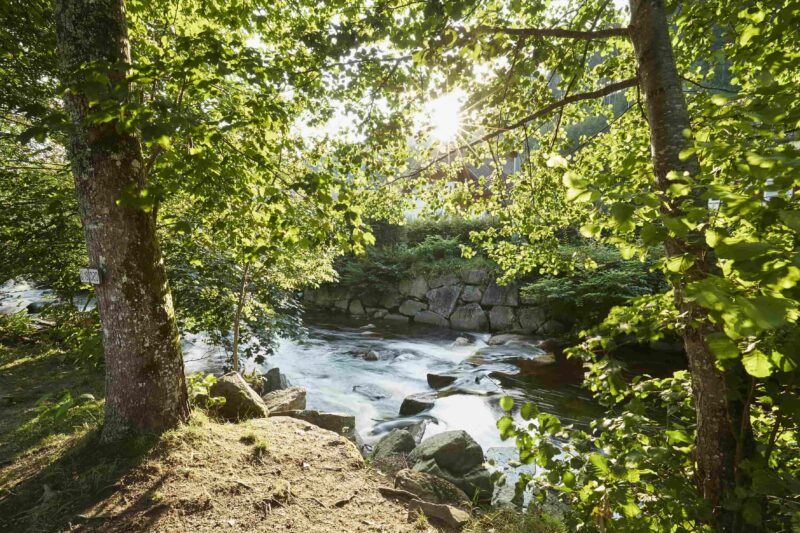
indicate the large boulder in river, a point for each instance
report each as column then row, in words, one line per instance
column 413, row 405
column 456, row 457
column 241, row 401
column 443, row 300
column 469, row 317
column 416, row 288
column 285, row 399
column 430, row 488
column 396, row 442
column 437, row 381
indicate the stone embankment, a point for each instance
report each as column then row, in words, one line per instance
column 468, row 301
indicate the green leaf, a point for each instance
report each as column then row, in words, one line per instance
column 529, row 411
column 722, row 346
column 757, row 364
column 600, row 463
column 506, row 403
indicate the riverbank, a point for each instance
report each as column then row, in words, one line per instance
column 275, row 474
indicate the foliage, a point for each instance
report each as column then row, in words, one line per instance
column 587, row 294
column 382, row 268
column 77, row 332
column 198, row 386
column 513, row 521
column 15, row 326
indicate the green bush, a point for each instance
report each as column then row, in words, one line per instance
column 382, row 268
column 15, row 326
column 588, row 294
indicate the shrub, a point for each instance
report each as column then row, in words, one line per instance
column 588, row 294
column 513, row 521
column 15, row 326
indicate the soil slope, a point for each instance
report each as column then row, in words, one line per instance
column 275, row 474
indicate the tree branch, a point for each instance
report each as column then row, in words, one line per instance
column 603, row 91
column 555, row 32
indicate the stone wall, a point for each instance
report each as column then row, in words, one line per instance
column 469, row 301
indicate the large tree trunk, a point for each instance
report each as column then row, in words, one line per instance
column 721, row 415
column 145, row 387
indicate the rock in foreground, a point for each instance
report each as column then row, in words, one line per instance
column 430, row 488
column 241, row 401
column 456, row 457
column 396, row 442
column 293, row 398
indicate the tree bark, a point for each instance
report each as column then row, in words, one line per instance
column 238, row 317
column 720, row 413
column 145, row 386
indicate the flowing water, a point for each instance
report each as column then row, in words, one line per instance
column 330, row 364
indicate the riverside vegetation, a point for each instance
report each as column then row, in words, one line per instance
column 631, row 167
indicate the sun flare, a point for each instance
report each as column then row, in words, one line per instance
column 444, row 115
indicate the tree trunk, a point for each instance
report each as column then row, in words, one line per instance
column 238, row 317
column 145, row 387
column 720, row 415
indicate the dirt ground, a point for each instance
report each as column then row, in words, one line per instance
column 276, row 474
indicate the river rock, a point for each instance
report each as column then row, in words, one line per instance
column 456, row 457
column 469, row 317
column 500, row 295
column 501, row 318
column 379, row 313
column 412, row 307
column 416, row 288
column 241, row 401
column 286, row 399
column 396, row 442
column 471, row 294
column 38, row 306
column 274, row 380
column 510, row 338
column 357, row 308
column 390, row 300
column 370, row 391
column 442, row 281
column 429, row 317
column 344, row 425
column 430, row 488
column 371, row 355
column 342, row 304
column 475, row 276
column 451, row 517
column 414, row 405
column 462, row 341
column 443, row 300
column 531, row 319
column 437, row 381
column 396, row 318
